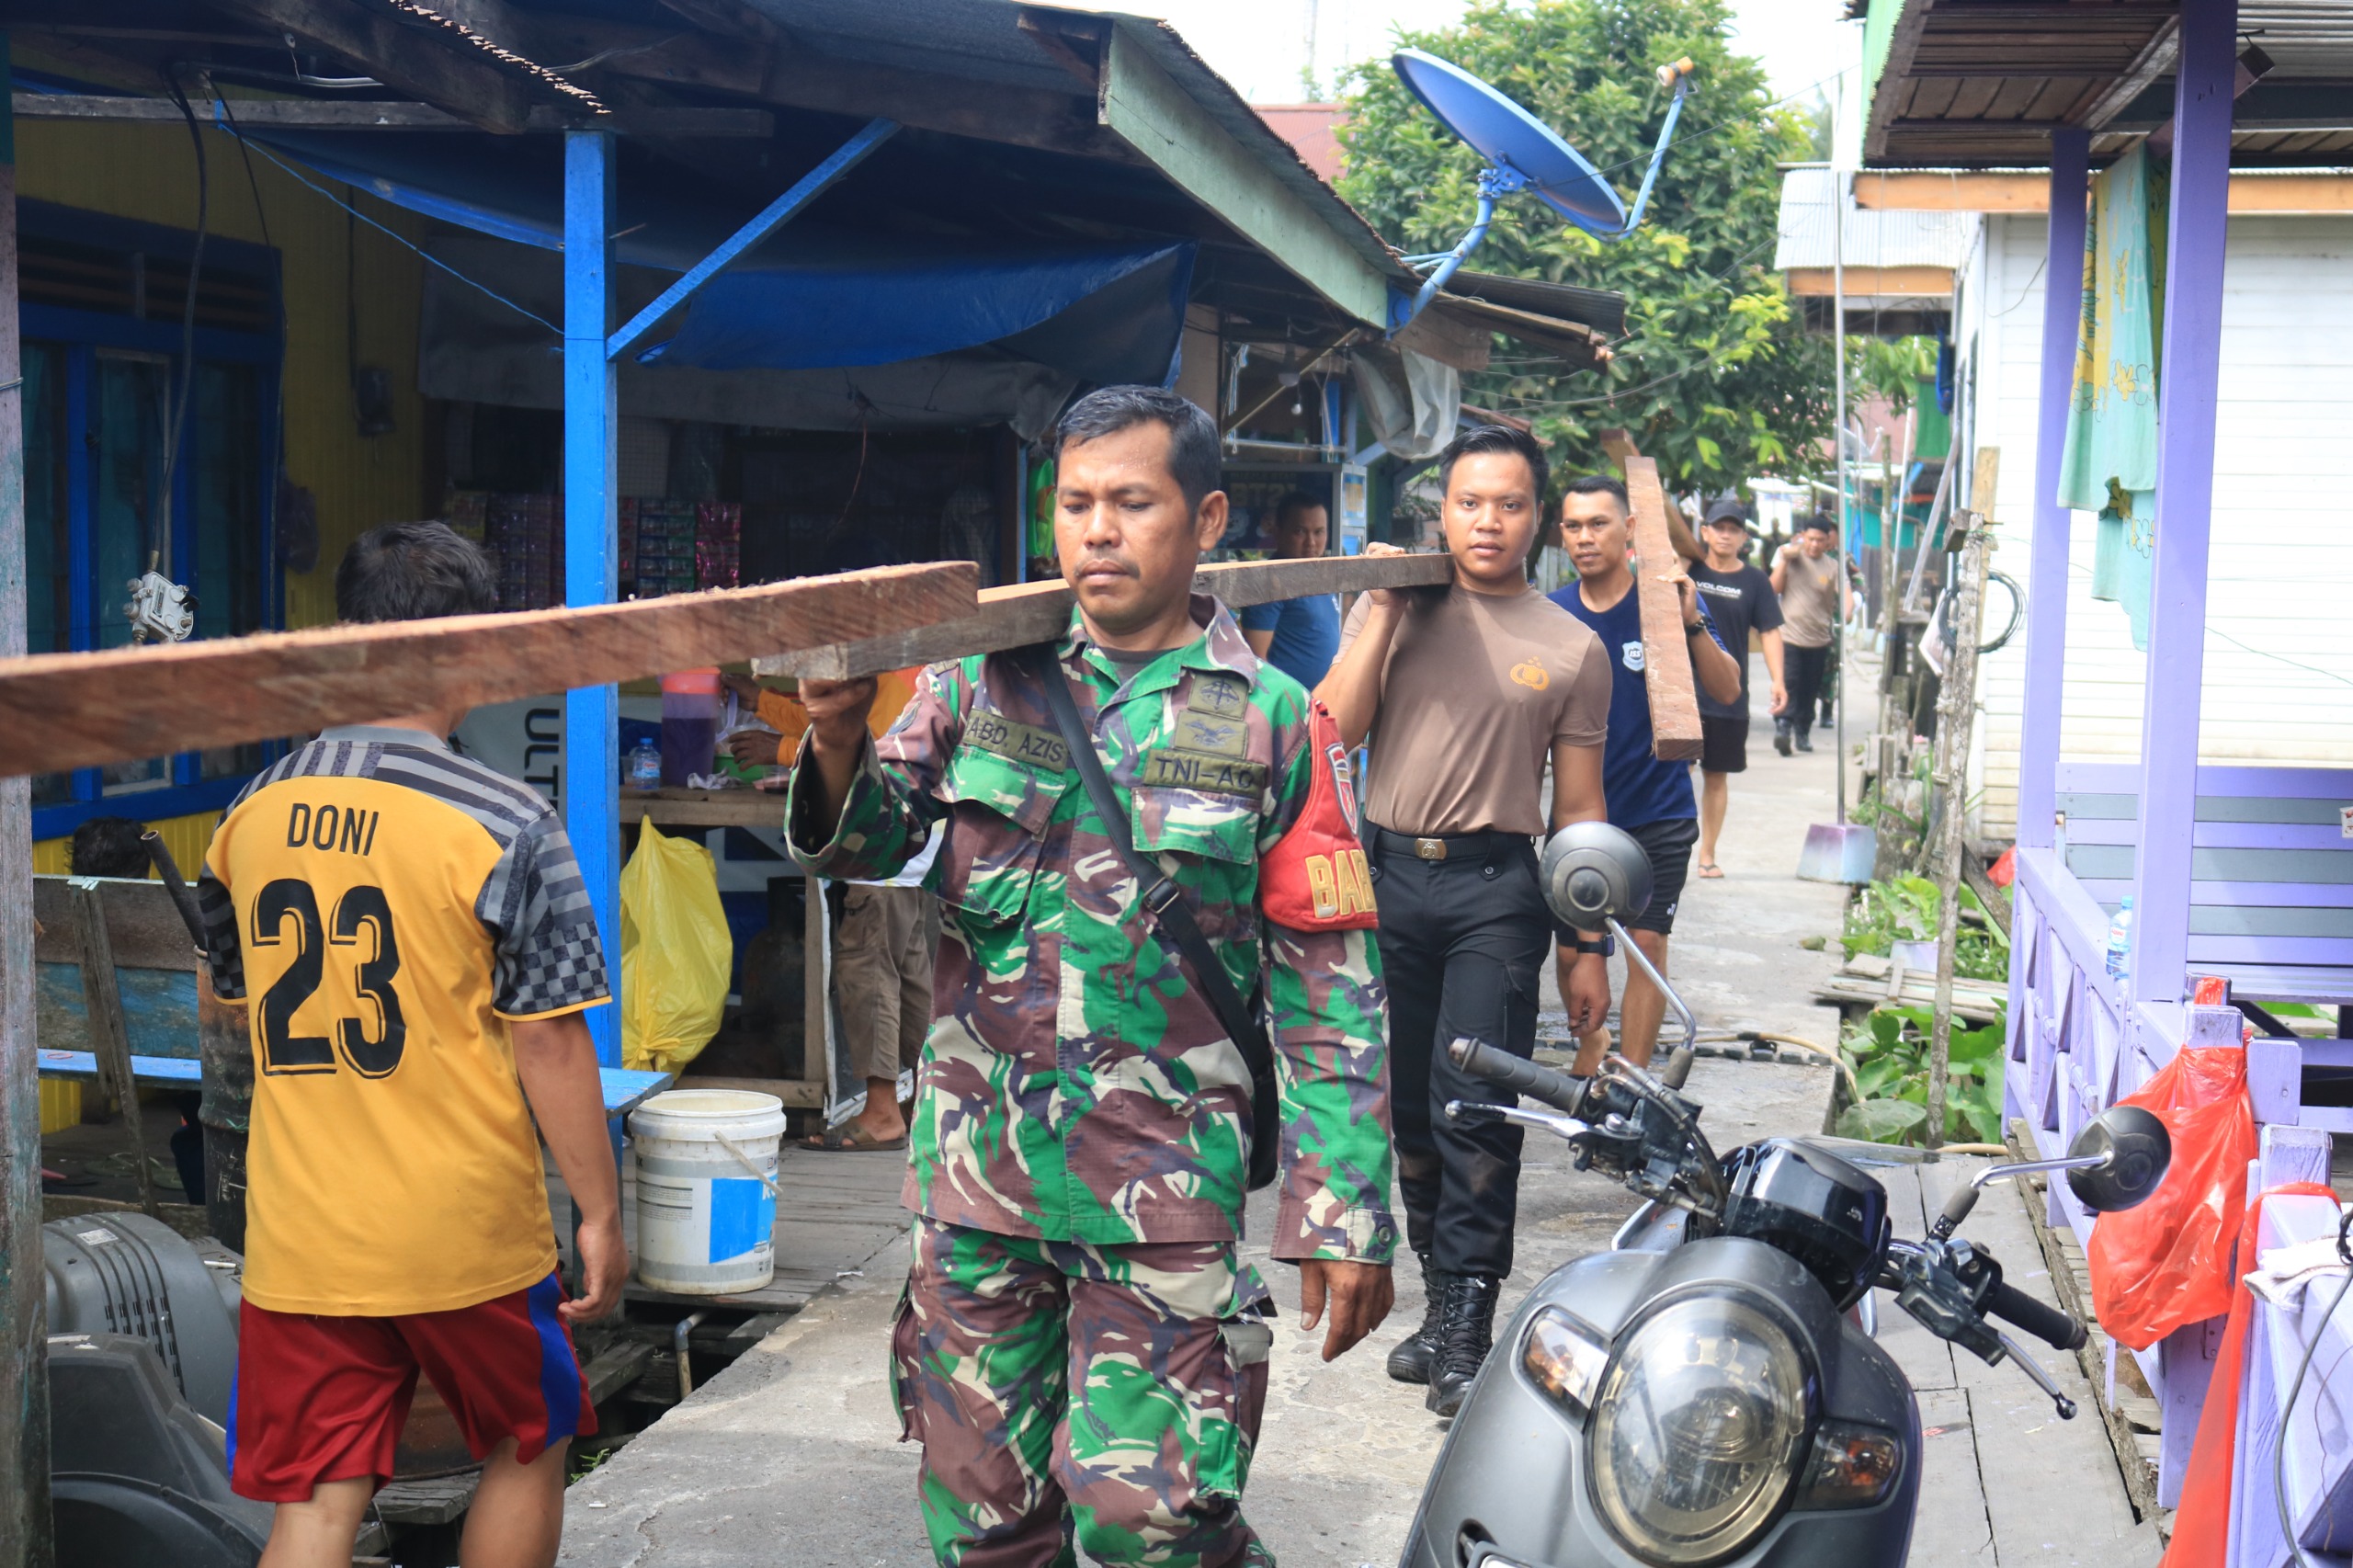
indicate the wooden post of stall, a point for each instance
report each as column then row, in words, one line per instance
column 1956, row 710
column 25, row 1531
column 109, row 1035
column 1666, row 653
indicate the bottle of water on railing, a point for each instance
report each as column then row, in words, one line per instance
column 2120, row 941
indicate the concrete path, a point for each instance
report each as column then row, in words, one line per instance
column 790, row 1455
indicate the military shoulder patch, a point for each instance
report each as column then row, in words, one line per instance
column 1017, row 742
column 1205, row 733
column 1220, row 695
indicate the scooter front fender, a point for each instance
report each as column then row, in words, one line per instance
column 1512, row 1484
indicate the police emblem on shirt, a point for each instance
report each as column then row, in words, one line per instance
column 1632, row 655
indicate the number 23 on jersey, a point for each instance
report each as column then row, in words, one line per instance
column 356, row 938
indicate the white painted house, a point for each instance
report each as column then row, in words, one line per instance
column 2279, row 683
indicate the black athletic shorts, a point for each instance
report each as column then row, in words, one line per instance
column 1669, row 845
column 1723, row 744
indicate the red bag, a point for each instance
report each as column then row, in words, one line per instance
column 2168, row 1262
column 1316, row 876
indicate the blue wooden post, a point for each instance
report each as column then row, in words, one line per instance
column 2046, row 631
column 591, row 783
column 2203, row 86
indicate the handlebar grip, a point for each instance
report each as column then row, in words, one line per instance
column 2049, row 1324
column 1505, row 1071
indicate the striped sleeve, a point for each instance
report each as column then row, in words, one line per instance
column 549, row 959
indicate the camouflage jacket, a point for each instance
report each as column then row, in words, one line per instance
column 1075, row 1087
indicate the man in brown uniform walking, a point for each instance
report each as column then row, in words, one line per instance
column 1468, row 692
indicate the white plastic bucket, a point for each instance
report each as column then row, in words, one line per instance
column 706, row 1194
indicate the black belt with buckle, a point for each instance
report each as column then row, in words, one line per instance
column 1484, row 846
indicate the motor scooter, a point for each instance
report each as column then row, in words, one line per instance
column 1708, row 1392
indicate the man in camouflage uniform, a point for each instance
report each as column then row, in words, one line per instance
column 1079, row 1351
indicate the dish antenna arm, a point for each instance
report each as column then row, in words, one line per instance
column 1677, row 76
column 1493, row 184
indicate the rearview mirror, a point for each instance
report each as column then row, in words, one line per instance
column 2137, row 1150
column 1593, row 872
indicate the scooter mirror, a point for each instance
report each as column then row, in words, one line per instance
column 2138, row 1151
column 1593, row 872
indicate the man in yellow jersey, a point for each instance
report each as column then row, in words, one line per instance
column 417, row 947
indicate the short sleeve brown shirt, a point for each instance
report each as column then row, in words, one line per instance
column 1478, row 690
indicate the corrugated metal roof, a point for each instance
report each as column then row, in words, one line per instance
column 1869, row 239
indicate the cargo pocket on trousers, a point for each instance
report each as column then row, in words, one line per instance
column 1228, row 1435
column 905, row 1365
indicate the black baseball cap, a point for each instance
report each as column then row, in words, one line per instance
column 1727, row 511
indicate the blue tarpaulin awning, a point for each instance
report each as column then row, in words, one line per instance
column 815, row 295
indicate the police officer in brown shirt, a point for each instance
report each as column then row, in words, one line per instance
column 1468, row 691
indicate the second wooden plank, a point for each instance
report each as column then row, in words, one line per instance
column 1667, row 651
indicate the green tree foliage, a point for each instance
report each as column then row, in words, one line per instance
column 1714, row 377
column 1889, row 368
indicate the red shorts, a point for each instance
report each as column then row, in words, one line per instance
column 321, row 1399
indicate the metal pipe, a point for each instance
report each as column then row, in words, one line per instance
column 1839, row 530
column 678, row 1336
column 1658, row 156
column 1490, row 186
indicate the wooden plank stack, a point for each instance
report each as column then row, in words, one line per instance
column 1867, row 980
column 1666, row 653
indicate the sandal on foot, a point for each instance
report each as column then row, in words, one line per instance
column 850, row 1139
column 1709, row 871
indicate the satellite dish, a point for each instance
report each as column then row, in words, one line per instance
column 1523, row 153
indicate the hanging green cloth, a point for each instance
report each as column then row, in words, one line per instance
column 2110, row 463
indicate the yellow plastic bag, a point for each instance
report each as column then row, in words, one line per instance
column 675, row 952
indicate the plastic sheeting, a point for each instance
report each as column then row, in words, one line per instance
column 812, row 295
column 1412, row 401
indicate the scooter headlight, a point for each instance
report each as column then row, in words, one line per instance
column 1699, row 1430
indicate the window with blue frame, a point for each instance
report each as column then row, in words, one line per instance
column 109, row 363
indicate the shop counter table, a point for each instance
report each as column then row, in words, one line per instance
column 624, row 1090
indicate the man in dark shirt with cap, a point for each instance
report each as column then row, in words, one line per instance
column 1740, row 599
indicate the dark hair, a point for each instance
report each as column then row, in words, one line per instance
column 1496, row 438
column 1299, row 501
column 1817, row 523
column 412, row 571
column 109, row 846
column 1600, row 484
column 1193, row 459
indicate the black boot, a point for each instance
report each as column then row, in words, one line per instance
column 1409, row 1362
column 1781, row 736
column 1805, row 737
column 1464, row 1338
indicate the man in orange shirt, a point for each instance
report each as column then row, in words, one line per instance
column 419, row 946
column 888, row 931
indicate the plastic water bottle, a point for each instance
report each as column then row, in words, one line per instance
column 2120, row 941
column 645, row 767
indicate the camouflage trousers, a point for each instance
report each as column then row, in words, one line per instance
column 1069, row 1398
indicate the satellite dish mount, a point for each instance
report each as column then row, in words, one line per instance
column 1523, row 153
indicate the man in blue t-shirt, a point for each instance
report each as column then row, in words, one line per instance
column 1648, row 798
column 1301, row 636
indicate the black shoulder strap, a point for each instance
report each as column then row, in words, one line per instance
column 1172, row 914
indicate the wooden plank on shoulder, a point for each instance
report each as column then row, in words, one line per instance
column 1024, row 613
column 1666, row 656
column 128, row 703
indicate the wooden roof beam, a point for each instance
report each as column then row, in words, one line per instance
column 360, row 114
column 400, row 57
column 1988, row 191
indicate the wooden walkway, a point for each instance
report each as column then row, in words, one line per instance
column 2004, row 1481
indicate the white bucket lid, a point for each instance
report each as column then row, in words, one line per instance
column 699, row 1113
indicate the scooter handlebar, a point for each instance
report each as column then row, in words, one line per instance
column 2049, row 1324
column 1505, row 1071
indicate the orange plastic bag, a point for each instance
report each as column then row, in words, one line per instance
column 2168, row 1262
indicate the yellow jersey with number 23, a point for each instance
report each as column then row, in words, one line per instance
column 386, row 907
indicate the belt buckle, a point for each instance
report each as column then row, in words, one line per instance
column 1429, row 848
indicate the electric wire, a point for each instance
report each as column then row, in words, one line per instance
column 307, row 183
column 176, row 409
column 2288, row 1405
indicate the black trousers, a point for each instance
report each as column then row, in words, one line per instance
column 1802, row 669
column 1462, row 944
